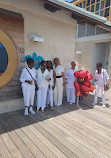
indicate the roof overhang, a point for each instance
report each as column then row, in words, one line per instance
column 81, row 15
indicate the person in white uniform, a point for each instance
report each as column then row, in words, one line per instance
column 70, row 79
column 43, row 78
column 101, row 78
column 60, row 81
column 28, row 79
column 52, row 83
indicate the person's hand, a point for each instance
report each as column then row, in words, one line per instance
column 29, row 82
column 64, row 83
column 53, row 87
column 49, row 79
column 107, row 84
column 34, row 81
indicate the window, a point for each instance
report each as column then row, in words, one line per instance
column 108, row 3
column 84, row 4
column 101, row 13
column 106, row 12
column 98, row 0
column 97, row 6
column 93, row 1
column 92, row 8
column 80, row 5
column 87, row 9
column 88, row 2
column 102, row 4
column 3, row 59
column 97, row 13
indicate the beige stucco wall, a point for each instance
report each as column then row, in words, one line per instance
column 58, row 30
column 58, row 38
column 109, row 66
column 83, row 60
column 89, row 49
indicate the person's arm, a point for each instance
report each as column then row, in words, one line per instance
column 66, row 76
column 107, row 77
column 54, row 77
column 95, row 77
column 23, row 77
column 63, row 75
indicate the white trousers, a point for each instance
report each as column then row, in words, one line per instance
column 70, row 95
column 28, row 95
column 58, row 92
column 102, row 93
column 50, row 97
column 41, row 97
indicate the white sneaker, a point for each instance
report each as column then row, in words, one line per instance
column 42, row 110
column 38, row 109
column 59, row 104
column 104, row 106
column 32, row 112
column 93, row 104
column 26, row 112
column 78, row 106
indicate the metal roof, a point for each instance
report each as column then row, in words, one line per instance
column 80, row 11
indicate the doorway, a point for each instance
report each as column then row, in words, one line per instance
column 100, row 53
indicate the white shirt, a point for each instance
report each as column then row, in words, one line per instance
column 99, row 77
column 59, row 69
column 51, row 82
column 26, row 76
column 41, row 78
column 70, row 77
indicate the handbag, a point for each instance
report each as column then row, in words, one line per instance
column 106, row 86
column 36, row 87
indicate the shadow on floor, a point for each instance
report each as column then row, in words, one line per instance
column 15, row 120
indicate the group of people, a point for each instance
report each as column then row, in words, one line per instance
column 49, row 81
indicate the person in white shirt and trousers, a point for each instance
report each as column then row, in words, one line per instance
column 60, row 81
column 28, row 79
column 70, row 79
column 52, row 83
column 101, row 78
column 43, row 78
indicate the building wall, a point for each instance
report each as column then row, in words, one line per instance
column 101, row 7
column 58, row 38
column 93, row 52
column 13, row 26
column 58, row 30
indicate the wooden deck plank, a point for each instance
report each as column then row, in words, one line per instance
column 84, row 152
column 95, row 125
column 59, row 136
column 41, row 146
column 87, row 123
column 9, row 125
column 4, row 152
column 56, row 142
column 88, row 143
column 85, row 131
column 28, row 137
column 10, row 144
column 66, row 132
column 98, row 118
column 41, row 136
